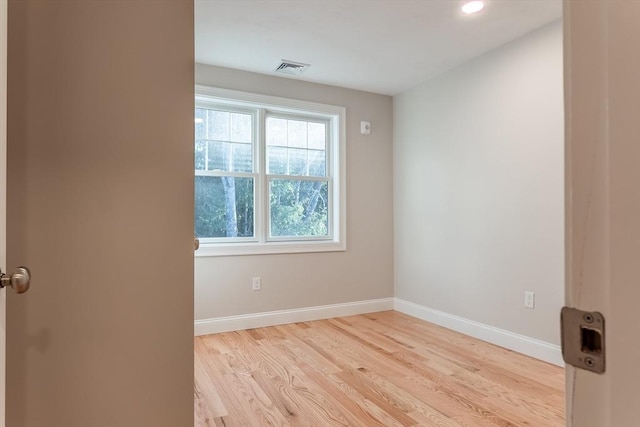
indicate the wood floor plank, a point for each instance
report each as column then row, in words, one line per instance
column 435, row 335
column 500, row 368
column 207, row 393
column 379, row 369
column 347, row 400
column 301, row 391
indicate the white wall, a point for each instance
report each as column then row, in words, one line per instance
column 478, row 188
column 365, row 270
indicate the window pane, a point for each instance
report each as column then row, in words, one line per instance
column 218, row 125
column 276, row 132
column 200, row 123
column 317, row 163
column 241, row 127
column 230, row 157
column 299, row 208
column 200, row 155
column 297, row 133
column 241, row 158
column 218, row 156
column 277, row 160
column 297, row 162
column 317, row 136
column 223, row 206
column 306, row 142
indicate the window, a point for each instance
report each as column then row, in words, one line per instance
column 269, row 174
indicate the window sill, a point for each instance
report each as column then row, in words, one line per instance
column 235, row 249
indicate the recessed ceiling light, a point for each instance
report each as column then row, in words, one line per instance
column 473, row 6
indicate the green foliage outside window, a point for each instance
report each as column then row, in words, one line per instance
column 299, row 208
column 224, row 207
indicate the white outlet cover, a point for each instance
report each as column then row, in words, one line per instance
column 529, row 299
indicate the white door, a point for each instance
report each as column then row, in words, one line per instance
column 602, row 85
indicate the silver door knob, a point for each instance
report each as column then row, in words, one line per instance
column 19, row 281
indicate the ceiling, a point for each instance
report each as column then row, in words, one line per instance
column 382, row 46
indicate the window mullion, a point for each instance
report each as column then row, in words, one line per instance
column 263, row 197
column 223, row 173
column 298, row 178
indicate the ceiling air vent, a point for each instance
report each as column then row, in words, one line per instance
column 290, row 67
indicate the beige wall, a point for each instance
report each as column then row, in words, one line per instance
column 478, row 188
column 100, row 185
column 365, row 270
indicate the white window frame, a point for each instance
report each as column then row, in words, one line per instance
column 261, row 243
column 254, row 174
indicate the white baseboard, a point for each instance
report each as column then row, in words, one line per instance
column 280, row 317
column 522, row 344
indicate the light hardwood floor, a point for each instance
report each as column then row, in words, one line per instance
column 381, row 369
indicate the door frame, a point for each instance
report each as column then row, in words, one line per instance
column 571, row 288
column 3, row 199
column 602, row 103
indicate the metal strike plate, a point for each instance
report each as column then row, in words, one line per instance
column 583, row 339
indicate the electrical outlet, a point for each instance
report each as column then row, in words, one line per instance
column 257, row 284
column 529, row 299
